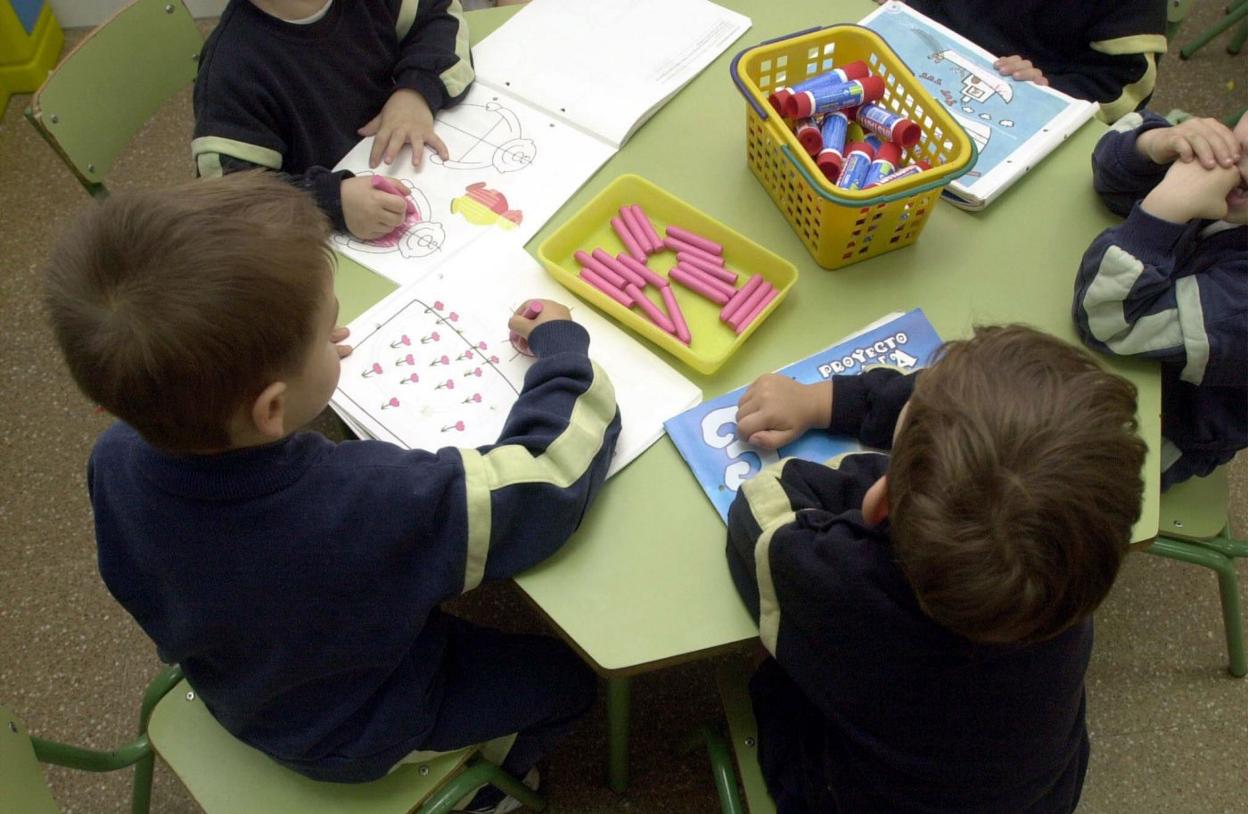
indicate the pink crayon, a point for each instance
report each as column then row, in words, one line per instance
column 619, row 269
column 599, row 268
column 606, row 288
column 715, row 270
column 696, row 285
column 698, row 242
column 678, row 317
column 643, row 270
column 758, row 309
column 531, row 309
column 634, row 228
column 740, row 297
column 716, row 283
column 748, row 306
column 386, row 185
column 621, row 231
column 656, row 316
column 656, row 243
column 677, row 245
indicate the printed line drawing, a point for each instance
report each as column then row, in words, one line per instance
column 482, row 136
column 418, row 235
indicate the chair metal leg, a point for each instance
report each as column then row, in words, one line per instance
column 1237, row 43
column 1197, row 553
column 1236, row 13
column 617, row 733
column 722, row 772
column 480, row 772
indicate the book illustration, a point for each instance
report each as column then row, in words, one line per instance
column 706, row 435
column 482, row 136
column 417, row 236
column 483, row 206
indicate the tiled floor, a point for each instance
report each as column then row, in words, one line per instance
column 1169, row 726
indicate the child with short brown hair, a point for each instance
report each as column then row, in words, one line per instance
column 929, row 612
column 295, row 580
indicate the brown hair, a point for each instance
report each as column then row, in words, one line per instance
column 1014, row 483
column 175, row 308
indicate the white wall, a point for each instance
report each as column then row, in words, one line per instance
column 80, row 13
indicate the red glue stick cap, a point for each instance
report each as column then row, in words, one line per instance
column 860, row 147
column 906, row 133
column 889, row 152
column 779, row 99
column 810, row 138
column 872, row 88
column 830, row 163
column 856, row 70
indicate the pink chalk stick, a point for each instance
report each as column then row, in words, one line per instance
column 679, row 246
column 717, row 271
column 606, row 288
column 714, row 282
column 678, row 317
column 656, row 242
column 601, row 269
column 656, row 316
column 619, row 269
column 748, row 306
column 696, row 285
column 531, row 310
column 643, row 270
column 758, row 309
column 700, row 242
column 738, row 299
column 634, row 229
column 626, row 237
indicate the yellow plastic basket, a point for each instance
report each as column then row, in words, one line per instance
column 841, row 226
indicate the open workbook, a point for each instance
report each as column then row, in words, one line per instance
column 560, row 87
column 1013, row 124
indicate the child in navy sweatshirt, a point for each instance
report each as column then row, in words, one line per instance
column 929, row 612
column 298, row 581
column 1171, row 281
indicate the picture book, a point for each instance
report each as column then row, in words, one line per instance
column 1014, row 124
column 559, row 88
column 705, row 435
column 433, row 366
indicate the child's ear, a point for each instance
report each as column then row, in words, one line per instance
column 875, row 502
column 268, row 411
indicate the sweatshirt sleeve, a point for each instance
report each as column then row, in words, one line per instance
column 1120, row 66
column 526, row 494
column 1132, row 299
column 867, row 405
column 434, row 58
column 1120, row 175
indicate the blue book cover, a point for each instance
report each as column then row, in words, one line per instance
column 706, row 436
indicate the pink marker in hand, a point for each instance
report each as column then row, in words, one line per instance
column 386, row 185
column 531, row 310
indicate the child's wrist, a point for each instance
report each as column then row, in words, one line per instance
column 1168, row 204
column 819, row 402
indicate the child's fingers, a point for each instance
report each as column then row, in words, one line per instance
column 343, row 351
column 370, row 128
column 769, row 439
column 339, row 333
column 379, row 146
column 1183, row 150
column 1203, row 150
column 395, row 143
column 439, row 147
column 391, row 204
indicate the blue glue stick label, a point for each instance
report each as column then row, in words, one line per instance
column 837, row 97
column 880, row 167
column 835, row 126
column 833, row 77
column 857, row 164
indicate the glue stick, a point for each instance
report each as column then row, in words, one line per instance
column 832, row 156
column 888, row 125
column 905, row 172
column 808, row 135
column 858, row 158
column 836, row 76
column 836, row 97
column 885, row 163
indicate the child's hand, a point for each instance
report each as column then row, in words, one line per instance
column 1207, row 140
column 338, row 336
column 404, row 118
column 777, row 410
column 551, row 311
column 1020, row 69
column 371, row 213
column 1190, row 191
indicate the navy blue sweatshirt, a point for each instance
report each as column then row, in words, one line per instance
column 298, row 583
column 291, row 97
column 1174, row 292
column 914, row 717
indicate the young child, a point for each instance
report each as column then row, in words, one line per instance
column 1101, row 51
column 292, row 85
column 1171, row 281
column 929, row 612
column 298, row 581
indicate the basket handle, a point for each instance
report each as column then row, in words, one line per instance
column 736, row 77
column 817, row 186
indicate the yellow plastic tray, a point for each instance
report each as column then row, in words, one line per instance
column 712, row 341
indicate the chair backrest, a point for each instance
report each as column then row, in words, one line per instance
column 108, row 86
column 225, row 775
column 22, row 787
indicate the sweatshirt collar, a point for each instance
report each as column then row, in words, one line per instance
column 239, row 474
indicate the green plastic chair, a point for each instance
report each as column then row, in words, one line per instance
column 733, row 679
column 225, row 776
column 1194, row 528
column 1176, row 13
column 107, row 87
column 1236, row 12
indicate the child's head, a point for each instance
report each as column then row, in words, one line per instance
column 179, row 310
column 1014, row 484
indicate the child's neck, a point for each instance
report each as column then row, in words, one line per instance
column 289, row 9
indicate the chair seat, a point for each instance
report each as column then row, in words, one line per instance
column 226, row 776
column 21, row 780
column 1196, row 508
column 734, row 693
